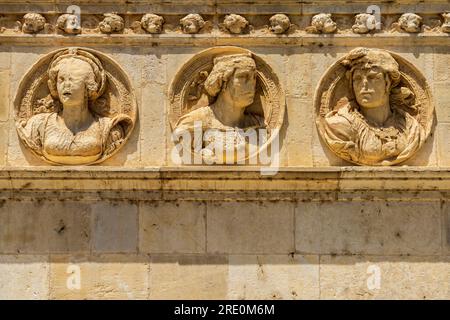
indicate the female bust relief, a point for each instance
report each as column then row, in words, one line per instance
column 374, row 125
column 232, row 82
column 66, row 128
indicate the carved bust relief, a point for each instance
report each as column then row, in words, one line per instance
column 74, row 107
column 374, row 108
column 225, row 89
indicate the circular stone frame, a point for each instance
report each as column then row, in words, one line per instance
column 119, row 92
column 271, row 99
column 334, row 80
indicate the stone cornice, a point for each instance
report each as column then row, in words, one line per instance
column 222, row 183
column 213, row 12
column 436, row 40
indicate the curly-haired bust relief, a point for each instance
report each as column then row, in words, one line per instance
column 232, row 81
column 375, row 123
column 226, row 104
column 67, row 127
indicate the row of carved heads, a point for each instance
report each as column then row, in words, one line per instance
column 365, row 23
column 233, row 23
column 151, row 23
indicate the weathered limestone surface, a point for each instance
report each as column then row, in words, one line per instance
column 140, row 226
column 27, row 277
column 400, row 278
column 173, row 227
column 380, row 228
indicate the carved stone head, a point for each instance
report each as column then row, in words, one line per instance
column 279, row 23
column 76, row 77
column 69, row 23
column 33, row 23
column 152, row 23
column 364, row 23
column 323, row 23
column 234, row 76
column 410, row 22
column 235, row 23
column 446, row 25
column 372, row 74
column 111, row 23
column 192, row 23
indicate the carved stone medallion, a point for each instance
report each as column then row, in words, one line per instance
column 374, row 108
column 75, row 106
column 226, row 89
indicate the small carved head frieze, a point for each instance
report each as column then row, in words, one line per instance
column 69, row 23
column 111, row 23
column 279, row 23
column 33, row 23
column 446, row 25
column 410, row 22
column 192, row 23
column 364, row 23
column 235, row 23
column 322, row 23
column 152, row 23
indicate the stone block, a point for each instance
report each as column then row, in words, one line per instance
column 24, row 277
column 101, row 277
column 250, row 227
column 382, row 228
column 273, row 277
column 188, row 277
column 363, row 277
column 115, row 227
column 172, row 227
column 44, row 227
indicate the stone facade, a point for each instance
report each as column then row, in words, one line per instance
column 138, row 225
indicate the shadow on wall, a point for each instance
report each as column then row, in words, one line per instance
column 128, row 230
